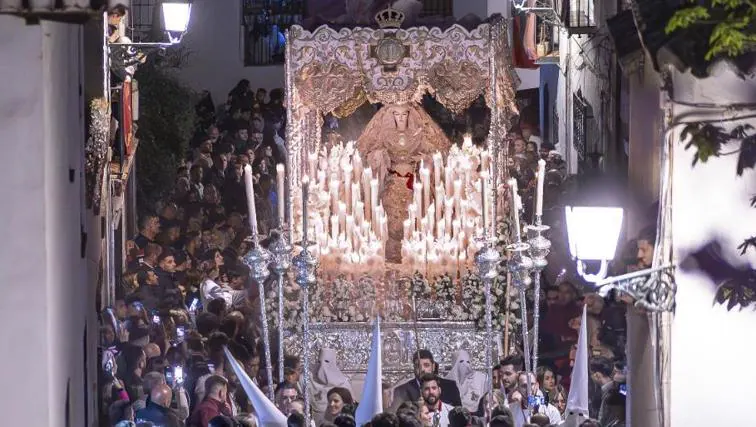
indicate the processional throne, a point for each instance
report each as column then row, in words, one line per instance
column 436, row 305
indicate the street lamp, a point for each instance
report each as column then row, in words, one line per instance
column 176, row 14
column 593, row 233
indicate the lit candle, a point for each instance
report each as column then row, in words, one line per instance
column 448, row 213
column 335, row 227
column 334, row 190
column 484, row 160
column 281, row 178
column 412, row 216
column 305, row 198
column 312, row 159
column 249, row 187
column 425, row 180
column 355, row 195
column 342, row 216
column 407, row 226
column 439, row 201
column 349, row 228
column 514, row 208
column 539, row 194
column 437, row 165
column 348, row 186
column 418, row 188
column 357, row 164
column 359, row 213
column 448, row 177
column 440, row 229
column 373, row 198
column 458, row 197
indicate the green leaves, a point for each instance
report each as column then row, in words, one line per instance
column 706, row 138
column 709, row 141
column 732, row 24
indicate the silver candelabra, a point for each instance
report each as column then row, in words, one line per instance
column 281, row 263
column 539, row 248
column 258, row 260
column 487, row 260
column 519, row 266
column 305, row 266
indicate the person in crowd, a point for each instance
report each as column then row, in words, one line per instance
column 158, row 408
column 213, row 404
column 337, row 398
column 431, row 394
column 602, row 371
column 285, row 395
column 471, row 384
column 410, row 391
column 519, row 401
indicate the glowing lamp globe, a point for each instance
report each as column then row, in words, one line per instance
column 593, row 233
column 176, row 16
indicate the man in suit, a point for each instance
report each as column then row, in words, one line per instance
column 410, row 391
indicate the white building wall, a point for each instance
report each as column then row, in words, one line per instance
column 45, row 302
column 216, row 58
column 712, row 349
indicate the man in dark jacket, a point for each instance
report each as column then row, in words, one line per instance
column 158, row 409
column 410, row 391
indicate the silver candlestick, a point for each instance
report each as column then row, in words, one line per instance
column 487, row 260
column 258, row 260
column 519, row 266
column 539, row 250
column 281, row 262
column 305, row 266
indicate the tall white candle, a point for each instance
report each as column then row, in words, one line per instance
column 334, row 190
column 335, row 227
column 514, row 208
column 342, row 216
column 322, row 179
column 249, row 187
column 448, row 206
column 357, row 164
column 359, row 213
column 439, row 201
column 281, row 181
column 312, row 159
column 350, row 228
column 425, row 179
column 407, row 229
column 373, row 198
column 458, row 197
column 484, row 160
column 413, row 217
column 448, row 178
column 347, row 186
column 438, row 161
column 305, row 199
column 418, row 189
column 539, row 194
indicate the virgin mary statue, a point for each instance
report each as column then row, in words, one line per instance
column 394, row 142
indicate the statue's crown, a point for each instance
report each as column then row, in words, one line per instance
column 389, row 18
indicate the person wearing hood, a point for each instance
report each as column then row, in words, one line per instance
column 326, row 376
column 471, row 384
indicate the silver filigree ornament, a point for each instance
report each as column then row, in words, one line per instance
column 280, row 250
column 258, row 260
column 487, row 260
column 520, row 264
column 539, row 249
column 305, row 268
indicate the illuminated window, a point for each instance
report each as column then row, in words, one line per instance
column 264, row 23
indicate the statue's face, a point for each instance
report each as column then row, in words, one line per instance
column 401, row 116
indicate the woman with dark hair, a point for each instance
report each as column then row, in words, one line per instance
column 337, row 398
